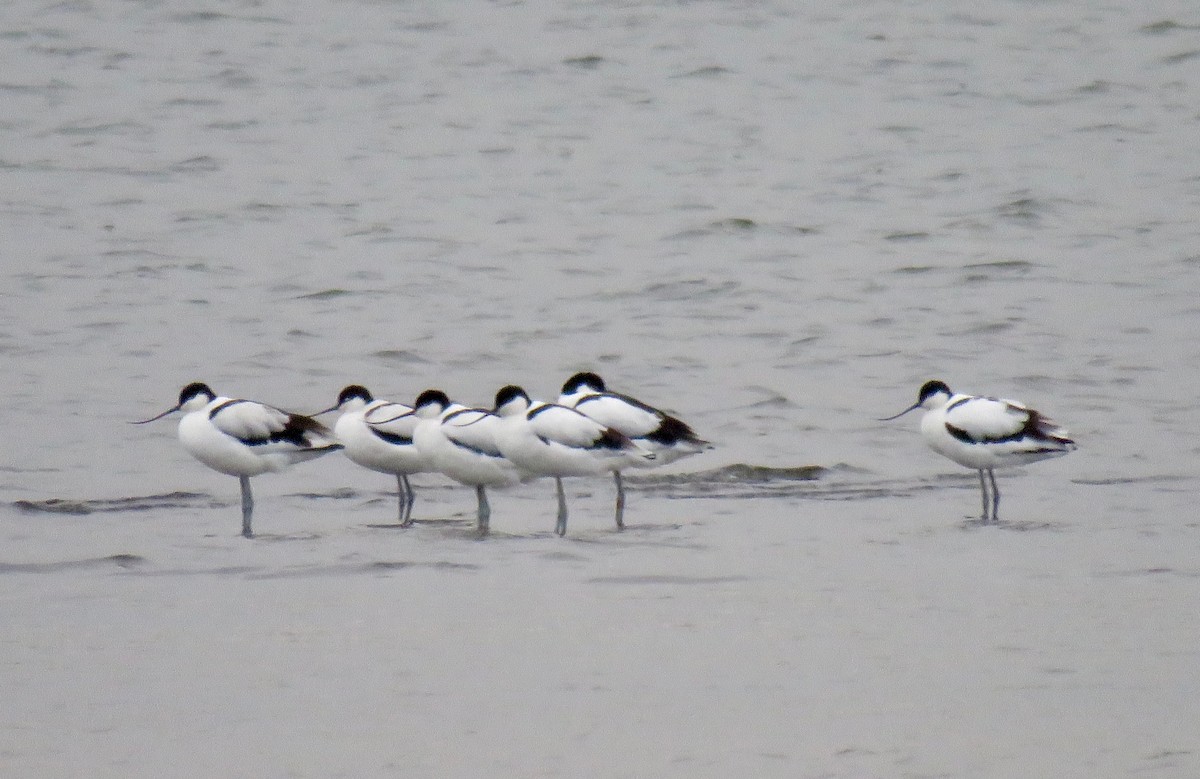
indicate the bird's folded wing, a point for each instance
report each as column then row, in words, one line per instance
column 631, row 418
column 988, row 419
column 473, row 429
column 565, row 426
column 394, row 419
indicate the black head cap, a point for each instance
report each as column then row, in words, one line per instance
column 581, row 380
column 195, row 389
column 931, row 388
column 432, row 397
column 352, row 391
column 508, row 394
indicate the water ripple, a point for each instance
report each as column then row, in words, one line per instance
column 124, row 561
column 169, row 500
column 666, row 579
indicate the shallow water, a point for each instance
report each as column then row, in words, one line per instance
column 775, row 221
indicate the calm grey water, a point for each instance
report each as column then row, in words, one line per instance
column 776, row 222
column 775, row 219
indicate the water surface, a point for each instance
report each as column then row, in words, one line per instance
column 775, row 221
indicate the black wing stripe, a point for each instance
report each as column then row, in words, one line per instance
column 218, row 409
column 476, row 450
column 1034, row 429
column 392, row 438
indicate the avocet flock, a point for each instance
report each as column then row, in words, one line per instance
column 589, row 431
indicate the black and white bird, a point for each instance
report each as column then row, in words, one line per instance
column 244, row 438
column 986, row 433
column 378, row 435
column 548, row 439
column 668, row 437
column 460, row 442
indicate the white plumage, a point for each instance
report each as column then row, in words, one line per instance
column 668, row 437
column 378, row 435
column 548, row 439
column 245, row 438
column 986, row 433
column 460, row 442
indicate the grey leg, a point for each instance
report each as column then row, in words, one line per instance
column 984, row 494
column 995, row 496
column 485, row 511
column 620, row 500
column 412, row 498
column 561, row 527
column 247, row 507
column 401, row 498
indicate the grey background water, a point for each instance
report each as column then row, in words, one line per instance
column 776, row 220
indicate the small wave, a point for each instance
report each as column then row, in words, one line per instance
column 988, row 328
column 815, row 482
column 666, row 579
column 1183, row 56
column 208, row 17
column 124, row 561
column 738, row 473
column 587, row 62
column 325, row 294
column 100, row 128
column 739, row 480
column 341, row 493
column 1167, row 26
column 736, row 225
column 200, row 164
column 399, row 355
column 775, row 402
column 1002, row 265
column 100, row 505
column 375, row 567
column 254, row 573
column 437, row 565
column 690, row 289
column 1024, row 210
column 16, row 469
column 712, row 71
column 1022, row 526
column 1141, row 572
column 1117, row 481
